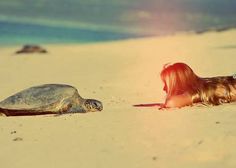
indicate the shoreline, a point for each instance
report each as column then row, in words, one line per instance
column 138, row 37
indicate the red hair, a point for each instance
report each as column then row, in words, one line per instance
column 179, row 78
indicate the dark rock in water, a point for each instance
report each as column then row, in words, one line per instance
column 31, row 49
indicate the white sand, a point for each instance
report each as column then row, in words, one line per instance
column 120, row 74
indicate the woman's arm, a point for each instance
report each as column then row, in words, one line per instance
column 179, row 101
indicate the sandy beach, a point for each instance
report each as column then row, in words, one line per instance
column 120, row 74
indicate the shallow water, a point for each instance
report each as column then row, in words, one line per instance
column 12, row 33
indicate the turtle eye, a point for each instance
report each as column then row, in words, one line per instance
column 95, row 105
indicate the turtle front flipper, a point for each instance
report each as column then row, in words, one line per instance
column 69, row 109
column 70, row 106
column 77, row 109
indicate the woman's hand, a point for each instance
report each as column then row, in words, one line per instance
column 162, row 106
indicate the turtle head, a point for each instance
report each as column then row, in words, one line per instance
column 92, row 105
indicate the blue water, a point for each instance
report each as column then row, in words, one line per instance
column 142, row 17
column 19, row 33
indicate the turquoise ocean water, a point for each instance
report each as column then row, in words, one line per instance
column 24, row 33
column 85, row 21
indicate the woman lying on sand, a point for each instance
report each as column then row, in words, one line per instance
column 184, row 87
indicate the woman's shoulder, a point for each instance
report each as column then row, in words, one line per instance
column 180, row 100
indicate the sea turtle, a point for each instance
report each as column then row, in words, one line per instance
column 48, row 99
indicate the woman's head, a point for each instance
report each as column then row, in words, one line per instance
column 179, row 78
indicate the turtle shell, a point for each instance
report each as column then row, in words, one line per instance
column 47, row 97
